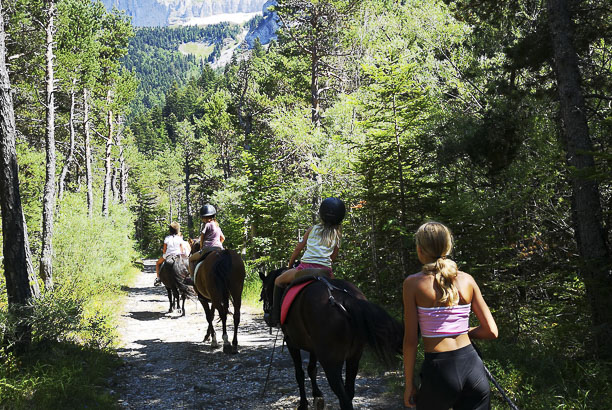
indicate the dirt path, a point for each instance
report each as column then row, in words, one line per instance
column 166, row 365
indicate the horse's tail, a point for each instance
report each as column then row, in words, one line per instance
column 377, row 328
column 222, row 269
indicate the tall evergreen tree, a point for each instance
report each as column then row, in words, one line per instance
column 21, row 283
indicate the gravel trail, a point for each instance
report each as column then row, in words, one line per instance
column 167, row 366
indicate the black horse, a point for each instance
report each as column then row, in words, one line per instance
column 219, row 278
column 172, row 273
column 333, row 321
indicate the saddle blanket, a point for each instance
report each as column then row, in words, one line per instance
column 290, row 295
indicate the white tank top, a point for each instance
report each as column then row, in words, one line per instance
column 173, row 245
column 316, row 250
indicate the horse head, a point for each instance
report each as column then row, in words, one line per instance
column 195, row 245
column 267, row 288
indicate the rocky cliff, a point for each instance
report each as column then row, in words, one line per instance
column 166, row 12
column 266, row 30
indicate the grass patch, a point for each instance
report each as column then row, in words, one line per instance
column 58, row 376
column 200, row 50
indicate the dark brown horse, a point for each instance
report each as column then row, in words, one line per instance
column 217, row 279
column 172, row 273
column 333, row 321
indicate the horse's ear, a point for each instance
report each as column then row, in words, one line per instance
column 262, row 275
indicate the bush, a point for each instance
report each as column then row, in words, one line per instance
column 73, row 325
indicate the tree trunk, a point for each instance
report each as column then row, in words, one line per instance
column 123, row 175
column 314, row 90
column 70, row 157
column 587, row 215
column 21, row 283
column 46, row 256
column 114, row 190
column 107, row 157
column 400, row 169
column 87, row 142
column 188, row 196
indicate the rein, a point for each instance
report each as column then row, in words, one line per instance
column 263, row 392
column 331, row 287
column 494, row 381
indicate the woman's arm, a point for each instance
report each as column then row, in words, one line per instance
column 298, row 248
column 164, row 248
column 411, row 340
column 487, row 328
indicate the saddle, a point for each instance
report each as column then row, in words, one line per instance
column 299, row 283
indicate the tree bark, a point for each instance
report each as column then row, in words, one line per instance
column 46, row 256
column 107, row 157
column 87, row 142
column 123, row 174
column 589, row 232
column 70, row 157
column 21, row 283
column 188, row 195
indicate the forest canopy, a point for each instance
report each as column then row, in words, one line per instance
column 493, row 118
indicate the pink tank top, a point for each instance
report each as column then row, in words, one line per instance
column 444, row 321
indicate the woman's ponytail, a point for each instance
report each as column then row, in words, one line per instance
column 436, row 241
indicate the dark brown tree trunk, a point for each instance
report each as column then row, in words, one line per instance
column 21, row 283
column 46, row 256
column 400, row 168
column 107, row 158
column 87, row 143
column 70, row 157
column 590, row 235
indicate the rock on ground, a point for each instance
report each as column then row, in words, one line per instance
column 167, row 366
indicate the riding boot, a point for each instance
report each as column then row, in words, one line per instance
column 276, row 306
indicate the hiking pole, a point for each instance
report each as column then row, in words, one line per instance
column 270, row 364
column 495, row 383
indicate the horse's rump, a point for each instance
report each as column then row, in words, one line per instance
column 173, row 272
column 347, row 319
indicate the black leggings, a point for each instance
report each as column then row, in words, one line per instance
column 454, row 380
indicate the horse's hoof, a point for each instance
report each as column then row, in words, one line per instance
column 234, row 349
column 214, row 345
column 227, row 348
column 319, row 403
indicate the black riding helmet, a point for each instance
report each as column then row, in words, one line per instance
column 332, row 211
column 207, row 210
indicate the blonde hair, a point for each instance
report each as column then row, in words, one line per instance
column 330, row 234
column 436, row 242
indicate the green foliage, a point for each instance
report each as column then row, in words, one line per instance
column 159, row 58
column 58, row 375
column 74, row 326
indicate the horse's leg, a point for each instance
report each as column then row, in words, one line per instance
column 299, row 375
column 333, row 371
column 184, row 296
column 210, row 316
column 170, row 299
column 237, row 303
column 352, row 366
column 319, row 402
column 177, row 302
column 227, row 347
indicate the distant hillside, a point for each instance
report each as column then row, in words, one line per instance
column 154, row 57
column 154, row 13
